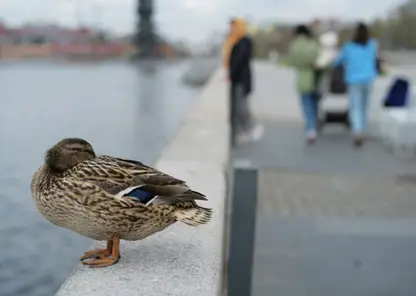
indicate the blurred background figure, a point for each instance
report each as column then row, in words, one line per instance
column 328, row 42
column 359, row 57
column 238, row 50
column 302, row 55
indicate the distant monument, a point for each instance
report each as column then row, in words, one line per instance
column 145, row 39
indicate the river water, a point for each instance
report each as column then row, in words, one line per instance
column 122, row 109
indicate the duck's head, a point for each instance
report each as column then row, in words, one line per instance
column 67, row 153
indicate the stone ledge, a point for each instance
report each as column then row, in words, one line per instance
column 181, row 260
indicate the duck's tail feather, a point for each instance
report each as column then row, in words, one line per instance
column 194, row 216
column 172, row 199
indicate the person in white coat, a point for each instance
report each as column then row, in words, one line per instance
column 329, row 49
column 328, row 42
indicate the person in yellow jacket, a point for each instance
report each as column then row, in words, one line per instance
column 237, row 54
column 226, row 51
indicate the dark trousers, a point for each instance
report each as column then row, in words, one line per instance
column 241, row 120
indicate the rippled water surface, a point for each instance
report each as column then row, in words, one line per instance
column 123, row 110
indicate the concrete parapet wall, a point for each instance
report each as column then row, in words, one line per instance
column 181, row 260
column 199, row 71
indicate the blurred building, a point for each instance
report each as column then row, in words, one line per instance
column 38, row 33
column 36, row 40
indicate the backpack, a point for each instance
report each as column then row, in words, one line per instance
column 398, row 94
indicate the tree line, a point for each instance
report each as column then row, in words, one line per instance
column 396, row 31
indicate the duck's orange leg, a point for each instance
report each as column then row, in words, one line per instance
column 100, row 253
column 107, row 261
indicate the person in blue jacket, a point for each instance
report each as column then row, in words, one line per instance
column 359, row 58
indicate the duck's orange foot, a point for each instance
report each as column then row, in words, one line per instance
column 97, row 253
column 101, row 262
column 106, row 257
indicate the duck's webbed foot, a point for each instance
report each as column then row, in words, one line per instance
column 99, row 253
column 106, row 259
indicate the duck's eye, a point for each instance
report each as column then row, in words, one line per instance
column 78, row 149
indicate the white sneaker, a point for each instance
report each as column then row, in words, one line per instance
column 311, row 137
column 250, row 137
column 243, row 138
column 257, row 132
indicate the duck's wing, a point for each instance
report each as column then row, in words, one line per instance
column 108, row 176
column 98, row 200
column 167, row 189
column 123, row 177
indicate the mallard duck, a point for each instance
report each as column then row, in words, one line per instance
column 108, row 198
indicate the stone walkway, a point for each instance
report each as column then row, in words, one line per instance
column 275, row 104
column 331, row 220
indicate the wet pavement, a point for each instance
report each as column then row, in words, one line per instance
column 284, row 146
column 123, row 110
column 329, row 257
column 331, row 219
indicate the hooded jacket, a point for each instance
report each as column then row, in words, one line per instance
column 360, row 61
column 302, row 55
column 232, row 39
column 237, row 56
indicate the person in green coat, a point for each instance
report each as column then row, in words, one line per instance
column 302, row 55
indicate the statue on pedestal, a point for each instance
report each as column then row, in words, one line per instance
column 145, row 39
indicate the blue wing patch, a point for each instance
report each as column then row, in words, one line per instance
column 141, row 195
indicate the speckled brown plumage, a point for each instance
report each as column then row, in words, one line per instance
column 80, row 191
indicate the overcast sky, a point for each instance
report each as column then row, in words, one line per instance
column 189, row 19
